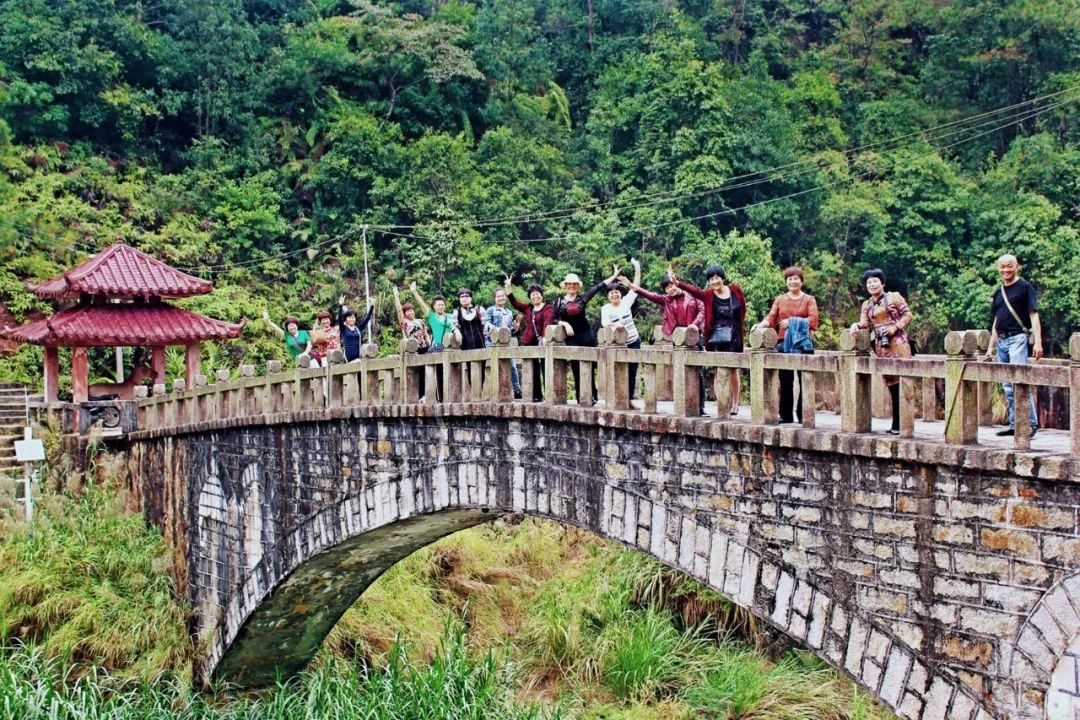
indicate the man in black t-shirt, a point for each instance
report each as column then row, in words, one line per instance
column 1014, row 311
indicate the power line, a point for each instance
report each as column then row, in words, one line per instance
column 727, row 185
column 731, row 211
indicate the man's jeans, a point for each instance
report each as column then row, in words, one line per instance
column 1014, row 351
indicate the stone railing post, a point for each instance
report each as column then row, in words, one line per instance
column 855, row 388
column 664, row 387
column 1074, row 394
column 500, row 386
column 555, row 368
column 961, row 396
column 764, row 383
column 686, row 381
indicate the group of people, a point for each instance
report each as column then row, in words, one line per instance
column 717, row 309
column 325, row 337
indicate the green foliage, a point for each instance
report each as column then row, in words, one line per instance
column 247, row 142
column 91, row 587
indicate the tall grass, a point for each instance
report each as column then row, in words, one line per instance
column 454, row 685
column 91, row 585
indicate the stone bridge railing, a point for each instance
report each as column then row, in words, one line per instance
column 670, row 369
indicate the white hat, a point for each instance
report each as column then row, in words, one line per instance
column 571, row 278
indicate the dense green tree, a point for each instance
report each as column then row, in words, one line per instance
column 251, row 141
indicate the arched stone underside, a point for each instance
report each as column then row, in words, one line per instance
column 914, row 579
column 281, row 635
column 1049, row 644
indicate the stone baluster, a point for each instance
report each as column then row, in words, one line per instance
column 555, row 369
column 929, row 399
column 764, row 382
column 907, row 406
column 335, row 389
column 410, row 376
column 878, row 397
column 686, row 381
column 351, row 394
column 985, row 390
column 808, row 393
column 432, row 375
column 961, row 396
column 586, row 378
column 616, row 375
column 1074, row 395
column 855, row 388
column 474, row 375
column 388, row 381
column 248, row 401
column 1022, row 399
column 500, row 387
column 268, row 390
column 369, row 384
column 664, row 387
column 722, row 390
column 218, row 406
column 528, row 375
column 452, row 370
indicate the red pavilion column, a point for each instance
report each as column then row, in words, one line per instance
column 52, row 374
column 192, row 360
column 80, row 375
column 157, row 363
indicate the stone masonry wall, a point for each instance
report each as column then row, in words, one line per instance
column 949, row 589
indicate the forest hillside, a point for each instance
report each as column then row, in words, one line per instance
column 259, row 142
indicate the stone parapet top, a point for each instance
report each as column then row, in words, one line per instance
column 972, row 457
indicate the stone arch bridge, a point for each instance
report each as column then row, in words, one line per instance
column 939, row 569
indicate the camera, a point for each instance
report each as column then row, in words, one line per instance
column 882, row 338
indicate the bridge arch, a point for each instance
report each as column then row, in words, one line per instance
column 1048, row 645
column 277, row 619
column 910, row 566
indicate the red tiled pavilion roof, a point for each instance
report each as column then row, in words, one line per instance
column 121, row 271
column 123, row 324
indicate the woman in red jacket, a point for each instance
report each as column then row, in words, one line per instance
column 537, row 316
column 725, row 319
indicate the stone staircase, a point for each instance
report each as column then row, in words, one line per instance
column 12, row 421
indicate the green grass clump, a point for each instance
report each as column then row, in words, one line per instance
column 91, row 586
column 646, row 656
column 454, row 685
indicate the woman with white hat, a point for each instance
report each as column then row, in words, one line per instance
column 570, row 308
column 570, row 312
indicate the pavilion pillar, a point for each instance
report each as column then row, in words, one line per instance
column 192, row 361
column 80, row 375
column 52, row 374
column 157, row 363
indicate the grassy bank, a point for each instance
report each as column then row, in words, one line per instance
column 508, row 620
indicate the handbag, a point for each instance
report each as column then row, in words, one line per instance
column 1030, row 332
column 721, row 334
